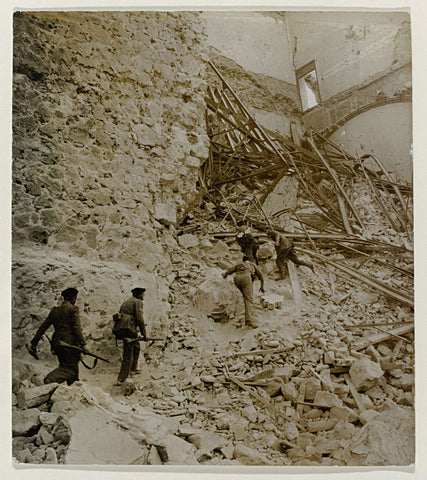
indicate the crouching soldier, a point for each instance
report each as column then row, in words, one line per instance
column 245, row 274
column 131, row 314
column 66, row 322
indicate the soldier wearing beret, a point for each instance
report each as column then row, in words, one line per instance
column 132, row 307
column 66, row 322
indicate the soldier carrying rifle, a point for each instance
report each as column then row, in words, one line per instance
column 126, row 324
column 66, row 322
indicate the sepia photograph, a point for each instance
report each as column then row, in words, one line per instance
column 212, row 238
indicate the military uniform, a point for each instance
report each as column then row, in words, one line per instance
column 246, row 272
column 66, row 322
column 284, row 252
column 249, row 245
column 134, row 308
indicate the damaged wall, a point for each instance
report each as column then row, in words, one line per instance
column 363, row 60
column 108, row 135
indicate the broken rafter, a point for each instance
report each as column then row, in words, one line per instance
column 375, row 284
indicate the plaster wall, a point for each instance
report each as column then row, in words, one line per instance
column 349, row 47
column 385, row 132
column 254, row 40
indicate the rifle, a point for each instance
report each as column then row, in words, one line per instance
column 60, row 343
column 143, row 339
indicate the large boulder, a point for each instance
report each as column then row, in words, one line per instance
column 364, row 374
column 217, row 291
column 25, row 421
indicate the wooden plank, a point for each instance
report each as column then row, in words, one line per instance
column 380, row 324
column 296, row 287
column 354, row 393
column 381, row 337
column 257, row 352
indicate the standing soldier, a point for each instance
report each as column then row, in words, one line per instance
column 284, row 251
column 248, row 243
column 246, row 272
column 66, row 322
column 133, row 310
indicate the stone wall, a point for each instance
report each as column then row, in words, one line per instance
column 108, row 135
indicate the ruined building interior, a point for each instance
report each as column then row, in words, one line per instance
column 142, row 142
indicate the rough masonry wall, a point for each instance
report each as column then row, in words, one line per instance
column 108, row 135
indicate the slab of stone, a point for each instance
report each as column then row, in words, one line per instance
column 228, row 450
column 165, row 214
column 365, row 374
column 179, row 451
column 250, row 413
column 24, row 421
column 291, row 431
column 96, row 440
column 32, row 397
column 207, row 442
column 154, row 457
column 249, row 456
column 187, row 240
column 327, row 399
column 367, row 416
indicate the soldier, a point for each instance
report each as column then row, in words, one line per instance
column 66, row 322
column 248, row 243
column 133, row 308
column 246, row 272
column 284, row 251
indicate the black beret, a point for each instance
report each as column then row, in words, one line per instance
column 138, row 290
column 70, row 292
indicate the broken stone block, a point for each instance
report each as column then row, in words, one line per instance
column 25, row 421
column 179, row 451
column 322, row 425
column 270, row 440
column 154, row 457
column 228, row 450
column 367, row 416
column 207, row 442
column 49, row 419
column 329, row 357
column 239, row 429
column 165, row 214
column 343, row 431
column 344, row 413
column 327, row 399
column 187, row 240
column 44, row 437
column 250, row 413
column 32, row 397
column 291, row 431
column 23, row 456
column 62, row 432
column 406, row 382
column 50, row 456
column 312, row 386
column 272, row 301
column 373, row 353
column 274, row 387
column 314, row 413
column 249, row 456
column 289, row 392
column 406, row 399
column 295, row 453
column 364, row 374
